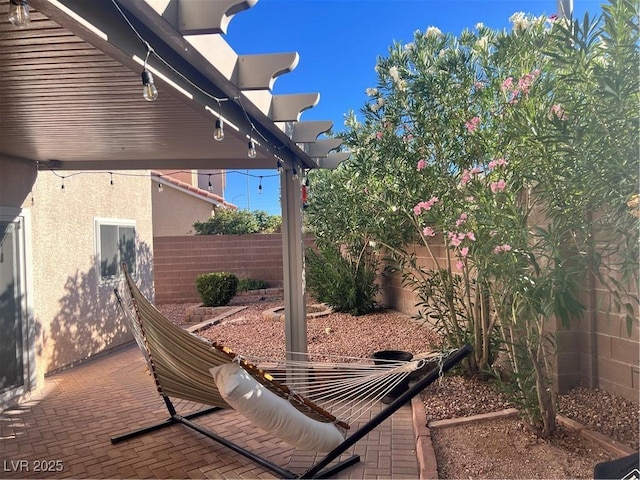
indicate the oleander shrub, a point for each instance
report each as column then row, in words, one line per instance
column 217, row 288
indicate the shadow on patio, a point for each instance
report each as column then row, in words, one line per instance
column 65, row 431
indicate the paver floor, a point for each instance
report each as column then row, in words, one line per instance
column 65, row 430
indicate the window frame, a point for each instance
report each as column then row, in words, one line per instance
column 99, row 247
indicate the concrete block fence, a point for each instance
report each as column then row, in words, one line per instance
column 179, row 260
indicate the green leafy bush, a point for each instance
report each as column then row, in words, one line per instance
column 347, row 284
column 217, row 288
column 246, row 284
column 238, row 222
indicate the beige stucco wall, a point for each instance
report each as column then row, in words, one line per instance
column 175, row 212
column 75, row 313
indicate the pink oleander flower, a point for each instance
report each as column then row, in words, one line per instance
column 472, row 124
column 466, row 177
column 507, row 84
column 470, row 199
column 426, row 206
column 471, row 236
column 525, row 82
column 461, row 219
column 379, row 135
column 498, row 162
column 454, row 240
column 498, row 186
column 478, row 85
column 464, row 251
column 558, row 112
column 422, row 164
column 505, row 247
column 459, row 265
column 429, row 232
column 476, row 170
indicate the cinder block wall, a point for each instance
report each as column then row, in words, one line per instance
column 179, row 260
column 595, row 351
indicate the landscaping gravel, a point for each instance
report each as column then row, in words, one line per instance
column 451, row 396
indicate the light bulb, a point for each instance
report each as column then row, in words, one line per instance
column 218, row 133
column 210, row 187
column 252, row 149
column 149, row 90
column 160, row 189
column 280, row 166
column 19, row 13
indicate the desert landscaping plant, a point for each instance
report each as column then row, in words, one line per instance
column 217, row 288
column 510, row 158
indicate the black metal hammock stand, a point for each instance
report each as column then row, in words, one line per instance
column 182, row 365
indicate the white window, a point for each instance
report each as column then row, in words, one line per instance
column 115, row 244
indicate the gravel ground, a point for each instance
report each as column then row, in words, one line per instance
column 563, row 456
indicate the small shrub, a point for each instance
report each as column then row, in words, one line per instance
column 345, row 285
column 216, row 289
column 246, row 284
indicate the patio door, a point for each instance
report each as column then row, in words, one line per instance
column 14, row 346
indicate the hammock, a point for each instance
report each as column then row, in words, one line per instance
column 310, row 402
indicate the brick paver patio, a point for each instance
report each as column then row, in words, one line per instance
column 65, row 430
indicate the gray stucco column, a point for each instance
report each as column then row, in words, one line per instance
column 293, row 261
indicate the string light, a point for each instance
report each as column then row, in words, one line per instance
column 149, row 90
column 155, row 176
column 251, row 153
column 218, row 132
column 280, row 166
column 151, row 93
column 19, row 13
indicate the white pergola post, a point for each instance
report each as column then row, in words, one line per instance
column 293, row 264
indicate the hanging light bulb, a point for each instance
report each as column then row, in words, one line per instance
column 252, row 149
column 149, row 90
column 260, row 186
column 111, row 179
column 218, row 133
column 280, row 166
column 210, row 187
column 160, row 187
column 19, row 13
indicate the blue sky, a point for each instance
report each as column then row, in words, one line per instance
column 338, row 42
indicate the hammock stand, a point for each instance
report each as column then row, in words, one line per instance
column 210, row 396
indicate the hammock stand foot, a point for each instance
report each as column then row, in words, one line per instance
column 160, row 425
column 186, row 421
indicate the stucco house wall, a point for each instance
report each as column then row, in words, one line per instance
column 75, row 308
column 73, row 313
column 175, row 212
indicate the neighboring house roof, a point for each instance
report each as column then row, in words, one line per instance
column 212, row 198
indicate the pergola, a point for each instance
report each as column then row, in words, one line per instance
column 72, row 100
